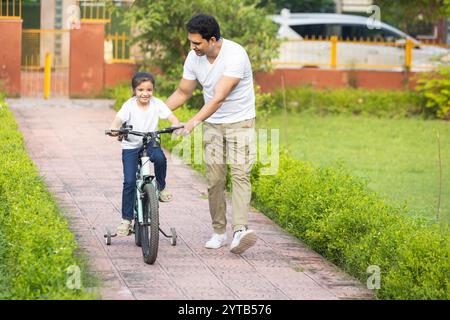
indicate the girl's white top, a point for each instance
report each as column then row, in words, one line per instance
column 142, row 120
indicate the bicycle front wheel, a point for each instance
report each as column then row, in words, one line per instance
column 149, row 234
column 136, row 229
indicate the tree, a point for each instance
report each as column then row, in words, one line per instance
column 301, row 5
column 162, row 34
column 408, row 15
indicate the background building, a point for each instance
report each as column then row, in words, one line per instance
column 352, row 5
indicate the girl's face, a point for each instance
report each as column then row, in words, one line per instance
column 144, row 92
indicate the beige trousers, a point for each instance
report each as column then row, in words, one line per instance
column 230, row 144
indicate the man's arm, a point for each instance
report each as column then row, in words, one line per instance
column 182, row 94
column 223, row 88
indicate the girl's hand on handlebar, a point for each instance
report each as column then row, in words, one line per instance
column 111, row 134
column 114, row 134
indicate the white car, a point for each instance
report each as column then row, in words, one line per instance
column 390, row 54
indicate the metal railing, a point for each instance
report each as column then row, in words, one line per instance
column 117, row 48
column 10, row 9
column 95, row 10
column 45, row 62
column 361, row 54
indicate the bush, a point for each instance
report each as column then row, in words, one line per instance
column 36, row 246
column 380, row 103
column 435, row 89
column 341, row 219
column 121, row 93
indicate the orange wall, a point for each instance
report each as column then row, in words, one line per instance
column 319, row 78
column 118, row 72
column 333, row 79
column 10, row 55
column 87, row 59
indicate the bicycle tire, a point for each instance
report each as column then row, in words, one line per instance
column 137, row 233
column 136, row 230
column 149, row 234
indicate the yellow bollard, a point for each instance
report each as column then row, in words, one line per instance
column 334, row 41
column 47, row 73
column 408, row 53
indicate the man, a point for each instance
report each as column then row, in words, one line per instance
column 223, row 69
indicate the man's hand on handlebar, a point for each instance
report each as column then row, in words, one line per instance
column 179, row 131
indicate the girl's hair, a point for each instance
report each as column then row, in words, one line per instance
column 140, row 77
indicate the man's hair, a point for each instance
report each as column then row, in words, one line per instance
column 205, row 25
column 140, row 77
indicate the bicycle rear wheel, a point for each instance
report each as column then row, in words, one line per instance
column 149, row 230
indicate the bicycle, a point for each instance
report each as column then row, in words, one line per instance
column 146, row 209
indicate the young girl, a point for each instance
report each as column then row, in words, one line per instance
column 142, row 111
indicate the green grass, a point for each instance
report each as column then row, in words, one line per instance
column 397, row 157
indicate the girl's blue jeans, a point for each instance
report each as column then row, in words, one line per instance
column 130, row 159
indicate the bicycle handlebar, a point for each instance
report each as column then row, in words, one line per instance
column 128, row 130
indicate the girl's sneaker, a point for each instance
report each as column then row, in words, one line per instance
column 165, row 196
column 124, row 229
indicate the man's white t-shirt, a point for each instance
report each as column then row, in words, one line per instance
column 142, row 120
column 232, row 61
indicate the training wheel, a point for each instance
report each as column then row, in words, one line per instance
column 173, row 239
column 108, row 238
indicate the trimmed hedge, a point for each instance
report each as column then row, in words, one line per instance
column 36, row 246
column 379, row 103
column 337, row 216
column 120, row 92
column 351, row 101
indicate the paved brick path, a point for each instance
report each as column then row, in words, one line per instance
column 82, row 167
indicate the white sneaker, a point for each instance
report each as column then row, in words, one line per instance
column 216, row 241
column 242, row 240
